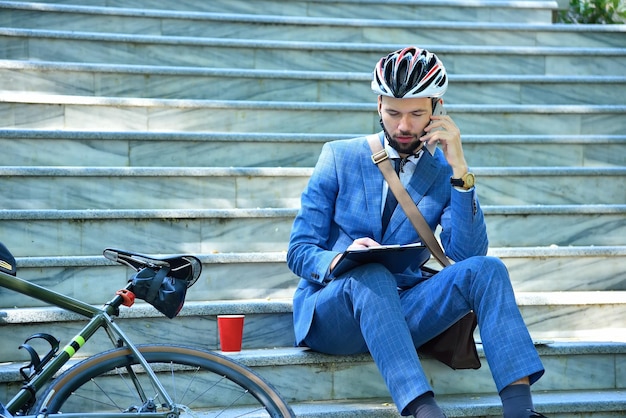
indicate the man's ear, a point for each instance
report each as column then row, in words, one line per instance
column 380, row 105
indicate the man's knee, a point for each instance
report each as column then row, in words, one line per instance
column 372, row 275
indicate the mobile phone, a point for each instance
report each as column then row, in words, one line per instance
column 439, row 110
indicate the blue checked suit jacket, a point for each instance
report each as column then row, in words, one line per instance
column 343, row 201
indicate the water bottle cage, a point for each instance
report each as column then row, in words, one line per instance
column 36, row 362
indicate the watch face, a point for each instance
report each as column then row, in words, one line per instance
column 468, row 180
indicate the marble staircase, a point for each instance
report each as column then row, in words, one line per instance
column 193, row 127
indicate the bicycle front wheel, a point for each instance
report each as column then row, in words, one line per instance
column 201, row 383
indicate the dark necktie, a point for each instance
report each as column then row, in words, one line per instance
column 391, row 202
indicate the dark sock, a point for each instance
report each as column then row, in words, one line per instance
column 516, row 401
column 424, row 406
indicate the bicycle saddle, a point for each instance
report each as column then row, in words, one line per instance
column 181, row 267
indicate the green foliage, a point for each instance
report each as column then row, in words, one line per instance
column 594, row 11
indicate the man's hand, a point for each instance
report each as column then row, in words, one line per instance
column 361, row 243
column 357, row 244
column 442, row 129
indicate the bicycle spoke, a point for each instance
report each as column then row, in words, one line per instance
column 202, row 384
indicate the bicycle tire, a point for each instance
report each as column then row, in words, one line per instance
column 92, row 386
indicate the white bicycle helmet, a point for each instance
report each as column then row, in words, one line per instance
column 409, row 73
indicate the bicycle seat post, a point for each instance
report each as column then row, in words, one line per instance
column 112, row 307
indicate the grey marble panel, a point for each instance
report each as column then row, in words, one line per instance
column 278, row 192
column 122, row 85
column 561, row 189
column 224, row 154
column 268, row 331
column 318, row 60
column 530, row 155
column 75, row 50
column 346, row 90
column 229, row 88
column 578, row 372
column 521, row 15
column 525, row 123
column 94, row 51
column 13, row 48
column 362, row 380
column 161, row 192
column 582, row 39
column 579, row 93
column 47, row 82
column 611, row 124
column 270, row 234
column 93, row 153
column 83, row 22
column 260, row 30
column 500, row 93
column 36, row 116
column 300, row 382
column 583, row 229
column 620, row 371
column 261, row 120
column 448, row 36
column 225, row 6
column 502, row 63
column 567, row 273
column 605, row 155
column 584, row 322
column 446, row 381
column 577, row 65
column 244, row 281
column 106, row 118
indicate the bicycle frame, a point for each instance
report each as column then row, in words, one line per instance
column 99, row 318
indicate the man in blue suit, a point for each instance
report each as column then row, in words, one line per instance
column 369, row 309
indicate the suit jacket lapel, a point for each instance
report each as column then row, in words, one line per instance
column 372, row 180
column 426, row 172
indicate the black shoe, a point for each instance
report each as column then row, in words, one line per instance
column 534, row 414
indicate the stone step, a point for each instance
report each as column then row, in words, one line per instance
column 549, row 316
column 76, row 232
column 92, row 47
column 32, row 111
column 534, row 11
column 52, row 148
column 304, row 28
column 74, row 188
column 230, row 276
column 335, row 377
column 168, row 82
column 558, row 404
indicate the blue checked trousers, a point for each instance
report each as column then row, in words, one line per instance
column 363, row 310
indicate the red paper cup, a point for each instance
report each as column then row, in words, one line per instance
column 231, row 331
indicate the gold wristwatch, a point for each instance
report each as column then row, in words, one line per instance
column 466, row 182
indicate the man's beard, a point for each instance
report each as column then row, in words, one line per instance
column 409, row 149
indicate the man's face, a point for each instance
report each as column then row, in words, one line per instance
column 405, row 120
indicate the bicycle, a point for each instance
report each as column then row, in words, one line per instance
column 143, row 380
